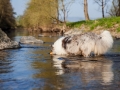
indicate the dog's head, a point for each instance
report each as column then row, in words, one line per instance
column 57, row 47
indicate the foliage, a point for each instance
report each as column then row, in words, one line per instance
column 39, row 13
column 118, row 29
column 7, row 19
column 103, row 22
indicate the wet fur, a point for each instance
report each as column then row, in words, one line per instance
column 84, row 44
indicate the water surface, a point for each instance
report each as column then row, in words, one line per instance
column 32, row 68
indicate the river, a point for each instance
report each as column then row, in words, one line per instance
column 32, row 68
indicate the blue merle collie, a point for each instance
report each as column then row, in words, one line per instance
column 83, row 44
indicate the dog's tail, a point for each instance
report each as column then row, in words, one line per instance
column 103, row 43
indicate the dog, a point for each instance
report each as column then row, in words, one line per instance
column 83, row 44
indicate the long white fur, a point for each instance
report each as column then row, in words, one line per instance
column 84, row 44
column 57, row 47
column 103, row 44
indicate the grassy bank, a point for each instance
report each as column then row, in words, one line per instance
column 111, row 23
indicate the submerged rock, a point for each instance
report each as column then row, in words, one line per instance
column 30, row 40
column 6, row 42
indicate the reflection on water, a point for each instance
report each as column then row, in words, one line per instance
column 97, row 70
column 32, row 68
column 5, row 65
column 57, row 60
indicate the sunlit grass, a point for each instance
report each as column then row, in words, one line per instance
column 92, row 24
column 118, row 29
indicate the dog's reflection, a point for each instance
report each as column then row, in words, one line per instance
column 99, row 69
column 57, row 60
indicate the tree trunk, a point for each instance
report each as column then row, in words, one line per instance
column 57, row 11
column 64, row 11
column 119, row 8
column 86, row 10
column 103, row 9
column 1, row 16
column 57, row 16
column 64, row 16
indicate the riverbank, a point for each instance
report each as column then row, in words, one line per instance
column 112, row 24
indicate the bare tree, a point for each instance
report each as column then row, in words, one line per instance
column 119, row 7
column 64, row 7
column 115, row 8
column 102, row 4
column 86, row 10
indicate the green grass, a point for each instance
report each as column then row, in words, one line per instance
column 92, row 24
column 118, row 29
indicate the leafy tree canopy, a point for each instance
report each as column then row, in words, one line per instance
column 7, row 19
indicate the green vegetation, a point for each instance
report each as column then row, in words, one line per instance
column 118, row 29
column 39, row 13
column 7, row 19
column 46, row 15
column 105, row 23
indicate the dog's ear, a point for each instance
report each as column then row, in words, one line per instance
column 66, row 41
